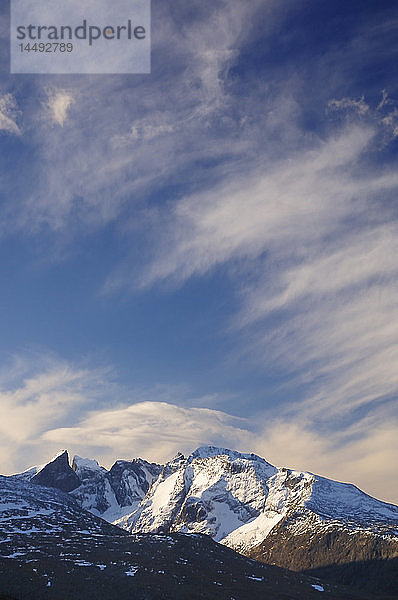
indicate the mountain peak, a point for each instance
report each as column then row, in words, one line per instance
column 213, row 451
column 179, row 456
column 85, row 464
column 58, row 474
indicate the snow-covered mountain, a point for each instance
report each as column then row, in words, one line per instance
column 243, row 502
column 111, row 494
column 51, row 549
column 235, row 498
column 238, row 499
column 213, row 491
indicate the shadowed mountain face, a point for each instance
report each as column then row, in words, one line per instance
column 58, row 474
column 292, row 519
column 52, row 549
column 354, row 558
column 379, row 577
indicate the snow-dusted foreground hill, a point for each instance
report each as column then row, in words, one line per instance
column 241, row 501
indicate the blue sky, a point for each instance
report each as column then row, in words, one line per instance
column 208, row 254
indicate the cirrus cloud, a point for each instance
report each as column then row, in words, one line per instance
column 8, row 114
column 58, row 104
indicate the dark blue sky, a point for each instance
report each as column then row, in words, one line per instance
column 207, row 254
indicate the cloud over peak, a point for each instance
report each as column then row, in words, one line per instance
column 57, row 405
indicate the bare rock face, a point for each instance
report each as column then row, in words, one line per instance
column 58, row 474
column 130, row 479
column 111, row 494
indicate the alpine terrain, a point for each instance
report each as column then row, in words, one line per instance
column 52, row 549
column 290, row 519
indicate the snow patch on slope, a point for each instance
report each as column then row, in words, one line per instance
column 252, row 533
column 336, row 500
column 85, row 464
column 163, row 493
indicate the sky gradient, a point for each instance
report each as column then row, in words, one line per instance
column 208, row 254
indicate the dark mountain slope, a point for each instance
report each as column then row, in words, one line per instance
column 348, row 555
column 58, row 474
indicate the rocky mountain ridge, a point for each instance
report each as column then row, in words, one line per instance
column 51, row 549
column 242, row 501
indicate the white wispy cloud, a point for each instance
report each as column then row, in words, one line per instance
column 37, row 393
column 46, row 403
column 359, row 105
column 297, row 201
column 363, row 454
column 317, row 237
column 57, row 106
column 8, row 114
column 114, row 146
column 384, row 114
column 154, row 430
